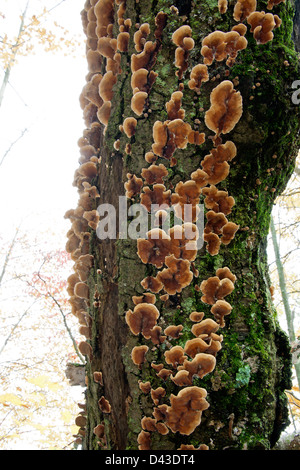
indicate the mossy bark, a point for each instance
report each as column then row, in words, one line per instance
column 248, row 406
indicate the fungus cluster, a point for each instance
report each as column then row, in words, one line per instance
column 168, row 255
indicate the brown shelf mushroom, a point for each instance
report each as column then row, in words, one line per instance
column 138, row 355
column 175, row 356
column 196, row 316
column 174, row 331
column 199, row 74
column 129, row 126
column 185, row 412
column 243, row 8
column 201, row 365
column 214, row 289
column 104, row 405
column 154, row 174
column 262, row 25
column 144, row 440
column 219, row 310
column 133, row 186
column 157, row 394
column 142, row 319
column 176, row 276
column 155, row 248
column 226, row 108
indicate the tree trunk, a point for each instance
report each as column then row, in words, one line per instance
column 246, row 389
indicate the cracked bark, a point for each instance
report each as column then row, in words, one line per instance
column 248, row 408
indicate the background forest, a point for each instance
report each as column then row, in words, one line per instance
column 43, row 66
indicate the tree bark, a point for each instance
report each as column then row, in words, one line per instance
column 246, row 390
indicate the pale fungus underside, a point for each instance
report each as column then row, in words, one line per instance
column 152, row 357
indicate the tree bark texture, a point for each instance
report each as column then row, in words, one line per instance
column 246, row 390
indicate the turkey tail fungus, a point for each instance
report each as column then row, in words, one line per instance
column 175, row 119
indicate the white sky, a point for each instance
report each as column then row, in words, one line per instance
column 43, row 97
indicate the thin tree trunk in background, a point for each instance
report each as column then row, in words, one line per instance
column 246, row 391
column 13, row 58
column 284, row 294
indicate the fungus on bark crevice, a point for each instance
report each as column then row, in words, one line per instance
column 182, row 38
column 243, row 8
column 133, row 185
column 185, row 412
column 138, row 355
column 226, row 108
column 262, row 26
column 186, row 200
column 214, row 289
column 129, row 126
column 155, row 248
column 142, row 319
column 199, row 74
column 176, row 276
column 175, row 356
column 155, row 174
column 158, row 195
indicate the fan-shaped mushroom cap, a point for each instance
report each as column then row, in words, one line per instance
column 155, row 248
column 152, row 283
column 140, row 36
column 195, row 346
column 214, row 289
column 196, row 316
column 226, row 108
column 217, row 200
column 142, row 319
column 133, row 186
column 205, row 327
column 184, row 414
column 243, row 8
column 157, row 394
column 145, row 387
column 104, row 405
column 222, row 273
column 182, row 378
column 129, row 126
column 176, row 276
column 154, row 174
column 183, row 241
column 262, row 25
column 138, row 354
column 144, row 440
column 175, row 356
column 219, row 310
column 174, row 331
column 146, row 298
column 138, row 102
column 228, row 232
column 201, row 365
column 199, row 75
column 158, row 195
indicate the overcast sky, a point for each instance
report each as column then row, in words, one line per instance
column 42, row 97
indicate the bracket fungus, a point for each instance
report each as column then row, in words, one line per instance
column 226, row 108
column 142, row 319
column 214, row 289
column 185, row 412
column 243, row 8
column 176, row 276
column 138, row 355
column 262, row 25
column 155, row 248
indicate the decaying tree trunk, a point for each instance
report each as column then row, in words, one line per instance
column 246, row 388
